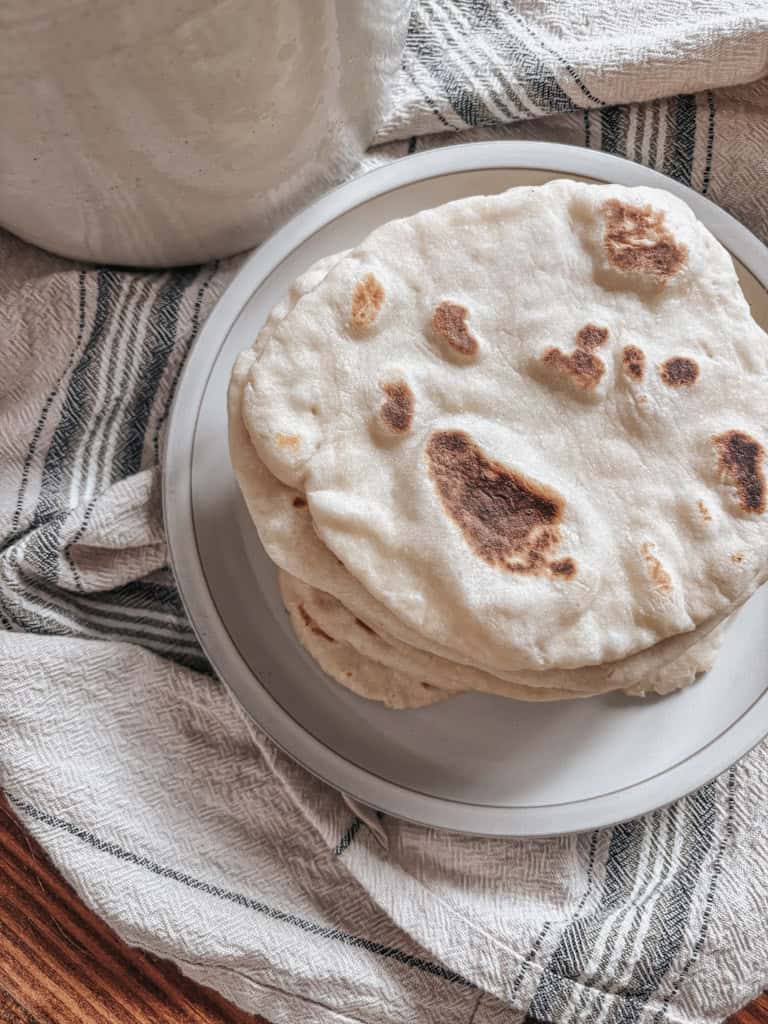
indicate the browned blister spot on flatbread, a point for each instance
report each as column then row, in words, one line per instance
column 582, row 366
column 657, row 574
column 367, row 300
column 679, row 372
column 705, row 513
column 740, row 459
column 299, row 503
column 633, row 359
column 584, row 369
column 737, row 558
column 449, row 321
column 365, row 626
column 637, row 241
column 591, row 336
column 507, row 519
column 287, row 440
column 310, row 623
column 396, row 411
column 563, row 567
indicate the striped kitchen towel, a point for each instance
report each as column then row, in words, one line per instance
column 172, row 815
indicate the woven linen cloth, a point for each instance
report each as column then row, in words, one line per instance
column 172, row 815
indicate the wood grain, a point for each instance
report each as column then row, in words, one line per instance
column 60, row 964
column 755, row 1013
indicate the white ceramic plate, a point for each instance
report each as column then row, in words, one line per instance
column 477, row 764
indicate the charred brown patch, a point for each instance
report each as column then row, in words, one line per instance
column 680, row 372
column 287, row 440
column 507, row 519
column 299, row 503
column 582, row 366
column 310, row 623
column 564, row 567
column 365, row 626
column 633, row 360
column 449, row 321
column 396, row 411
column 591, row 336
column 637, row 241
column 706, row 515
column 367, row 300
column 656, row 572
column 740, row 458
column 584, row 369
column 737, row 558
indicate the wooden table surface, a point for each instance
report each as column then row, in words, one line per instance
column 59, row 964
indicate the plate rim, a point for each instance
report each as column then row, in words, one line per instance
column 288, row 734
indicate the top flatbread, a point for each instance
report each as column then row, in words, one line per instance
column 531, row 425
column 281, row 517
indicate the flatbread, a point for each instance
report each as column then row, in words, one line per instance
column 354, row 655
column 580, row 353
column 285, row 528
column 353, row 670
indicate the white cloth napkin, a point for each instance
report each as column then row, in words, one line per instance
column 175, row 817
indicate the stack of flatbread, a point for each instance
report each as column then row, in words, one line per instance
column 513, row 445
